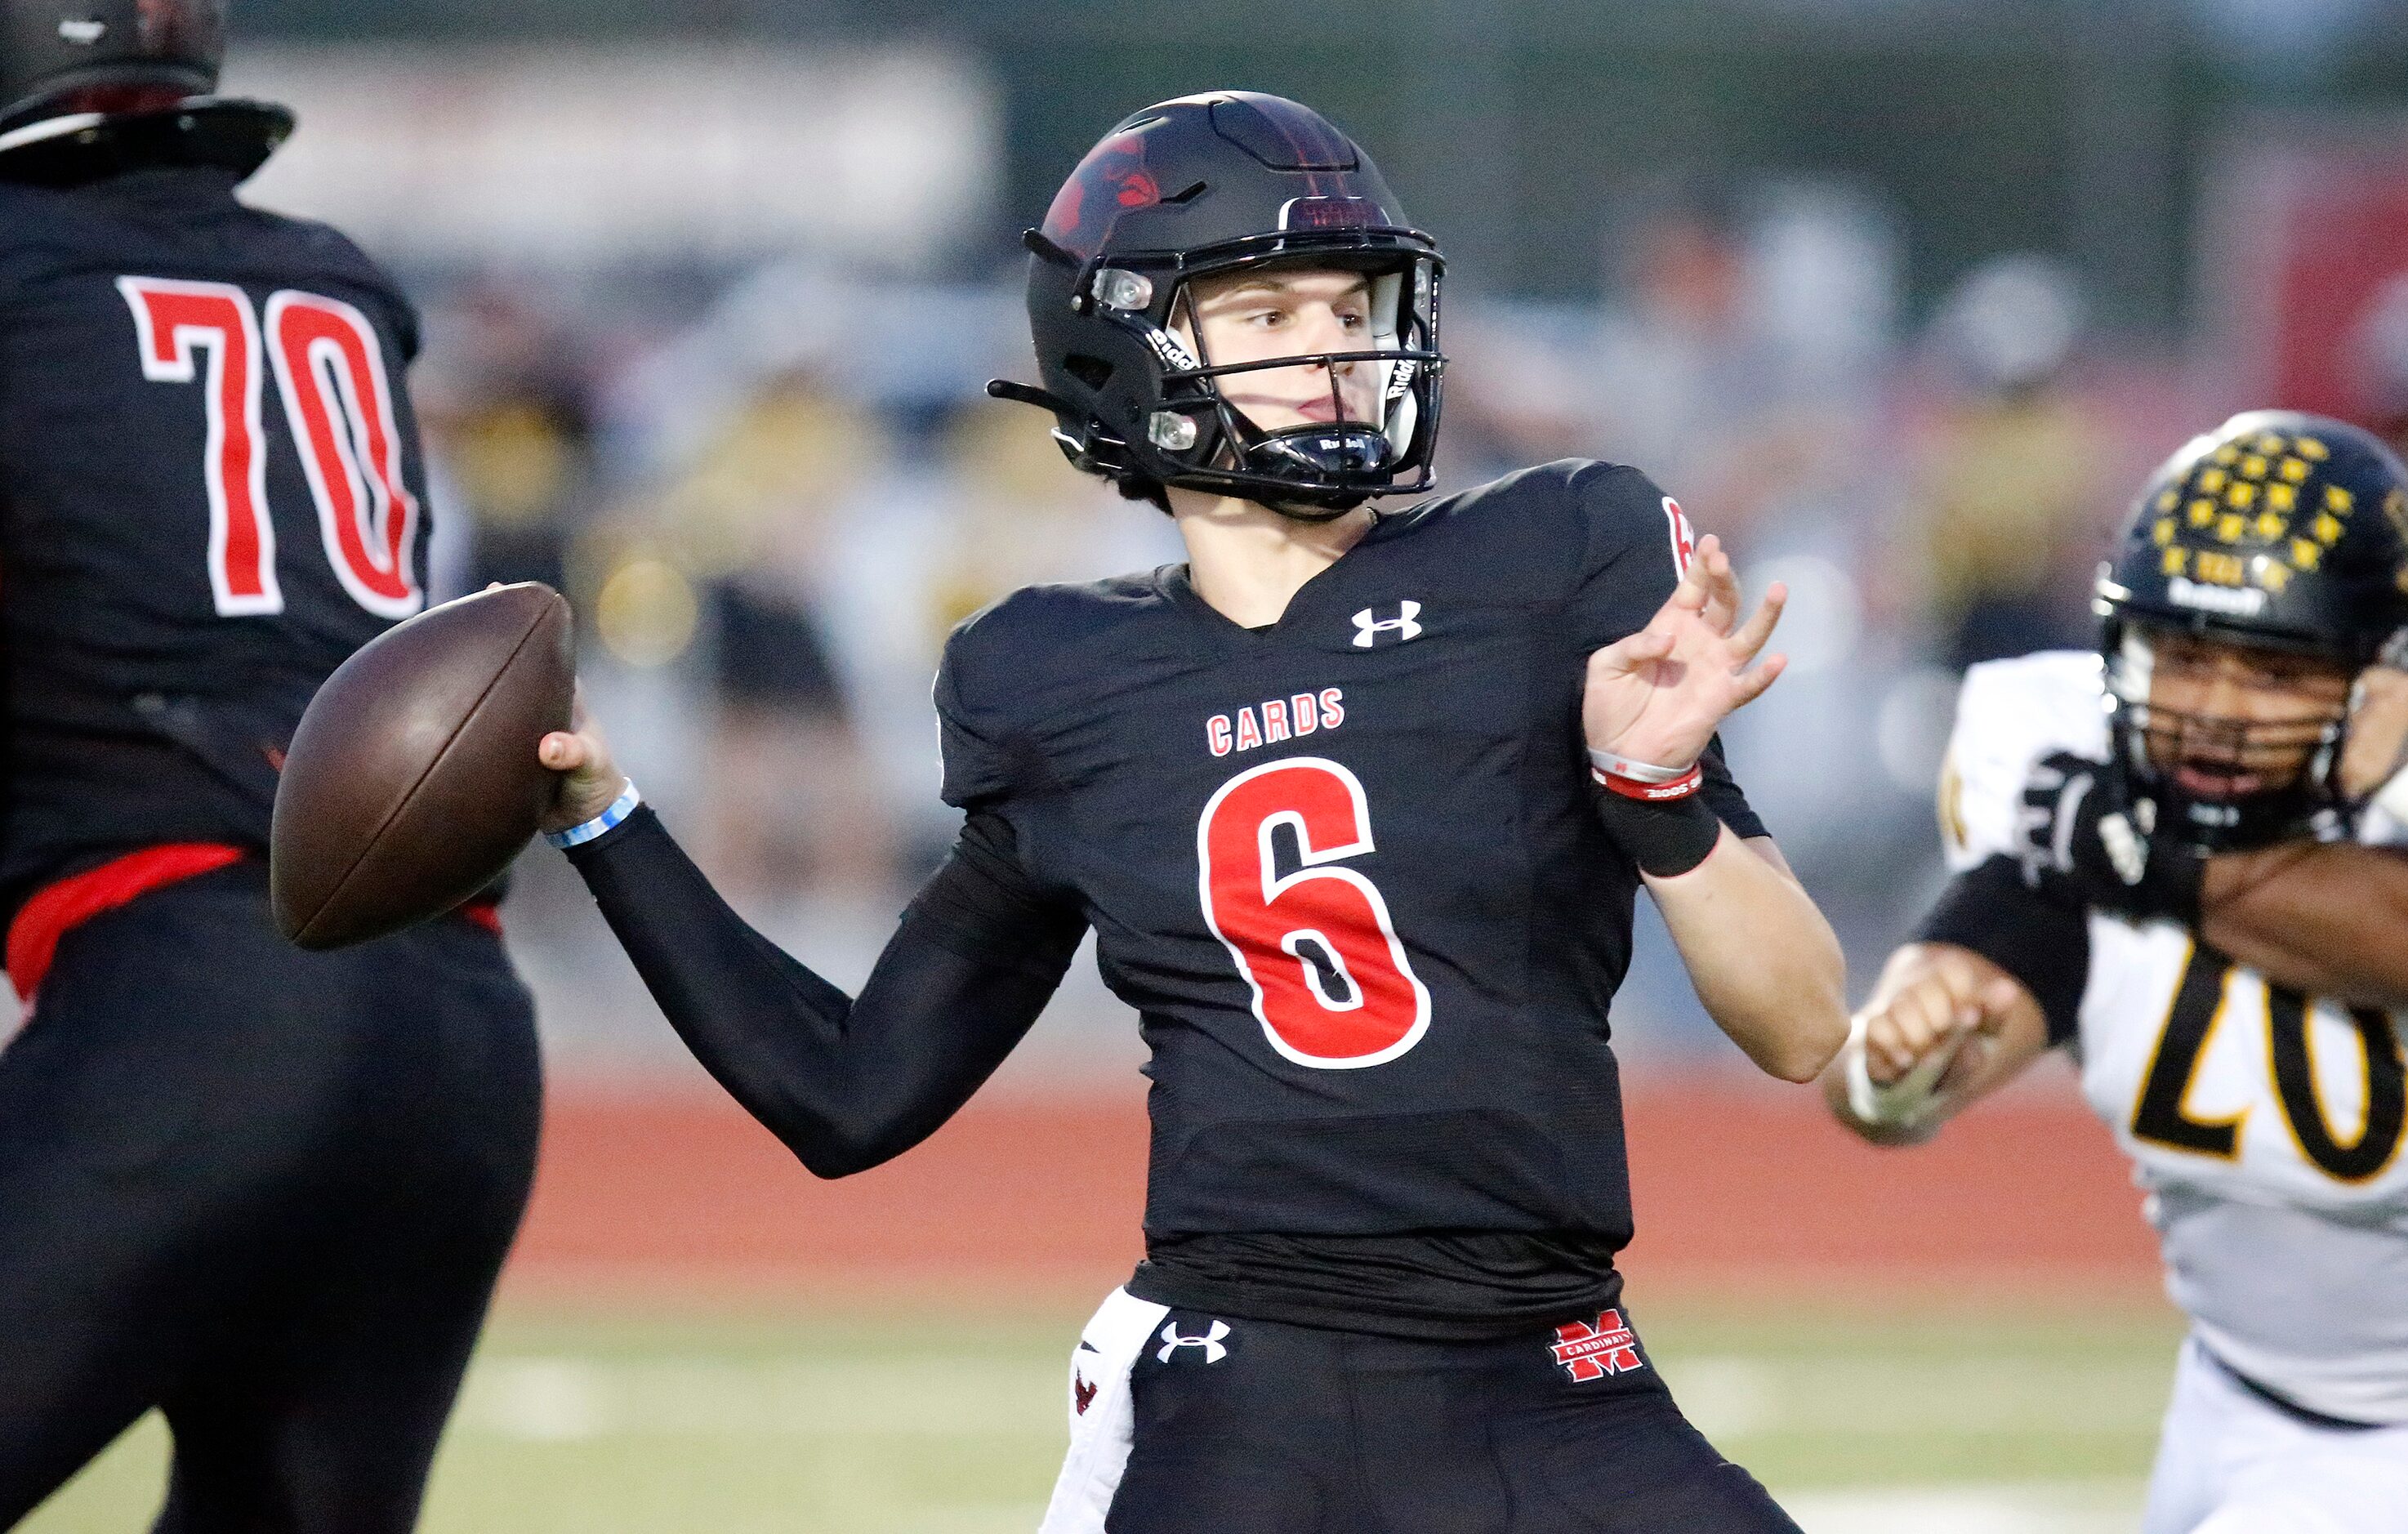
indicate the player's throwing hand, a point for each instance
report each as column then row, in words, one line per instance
column 1658, row 696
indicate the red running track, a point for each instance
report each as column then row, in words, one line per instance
column 1738, row 1185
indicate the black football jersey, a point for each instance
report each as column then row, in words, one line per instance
column 1348, row 867
column 210, row 493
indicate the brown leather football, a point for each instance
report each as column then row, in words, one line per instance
column 412, row 781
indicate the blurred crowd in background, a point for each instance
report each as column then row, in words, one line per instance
column 745, row 429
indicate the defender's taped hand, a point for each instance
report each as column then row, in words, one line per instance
column 1904, row 1102
column 2079, row 833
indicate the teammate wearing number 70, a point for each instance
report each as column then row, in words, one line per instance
column 1356, row 806
column 263, row 1191
column 2185, row 865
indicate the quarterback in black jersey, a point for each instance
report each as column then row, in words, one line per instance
column 263, row 1191
column 1357, row 806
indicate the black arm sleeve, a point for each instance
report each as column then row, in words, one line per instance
column 845, row 1084
column 2041, row 940
column 1723, row 795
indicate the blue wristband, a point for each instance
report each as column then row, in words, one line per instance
column 621, row 808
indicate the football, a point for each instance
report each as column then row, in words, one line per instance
column 412, row 781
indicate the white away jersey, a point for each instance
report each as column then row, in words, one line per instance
column 2266, row 1125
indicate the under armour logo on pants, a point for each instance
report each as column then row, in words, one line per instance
column 1210, row 1343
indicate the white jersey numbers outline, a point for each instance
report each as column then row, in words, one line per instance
column 331, row 370
column 1331, row 984
column 174, row 321
column 338, row 403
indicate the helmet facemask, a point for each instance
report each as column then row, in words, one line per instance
column 2225, row 782
column 1198, row 432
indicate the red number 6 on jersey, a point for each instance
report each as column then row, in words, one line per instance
column 1332, row 986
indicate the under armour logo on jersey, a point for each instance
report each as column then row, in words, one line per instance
column 1592, row 1350
column 1211, row 1342
column 1405, row 625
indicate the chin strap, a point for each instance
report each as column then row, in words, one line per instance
column 1313, row 515
column 1045, row 399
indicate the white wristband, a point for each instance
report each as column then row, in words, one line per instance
column 621, row 808
column 1904, row 1103
column 1640, row 772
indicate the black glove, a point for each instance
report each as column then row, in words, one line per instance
column 2080, row 835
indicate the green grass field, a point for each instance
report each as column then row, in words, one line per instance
column 1990, row 1420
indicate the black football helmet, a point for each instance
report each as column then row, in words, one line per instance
column 92, row 86
column 2276, row 531
column 1210, row 184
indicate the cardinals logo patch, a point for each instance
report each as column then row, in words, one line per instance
column 1593, row 1350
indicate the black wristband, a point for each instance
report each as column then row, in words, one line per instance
column 1664, row 837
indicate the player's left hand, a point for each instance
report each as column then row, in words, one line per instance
column 2078, row 832
column 1658, row 696
column 589, row 779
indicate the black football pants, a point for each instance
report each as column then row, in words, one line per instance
column 265, row 1191
column 1283, row 1429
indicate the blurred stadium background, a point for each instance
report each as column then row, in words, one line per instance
column 1900, row 297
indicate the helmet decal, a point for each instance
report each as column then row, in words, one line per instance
column 1112, row 180
column 2284, row 529
column 2248, row 516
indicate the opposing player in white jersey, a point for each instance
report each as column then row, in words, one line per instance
column 2179, row 858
